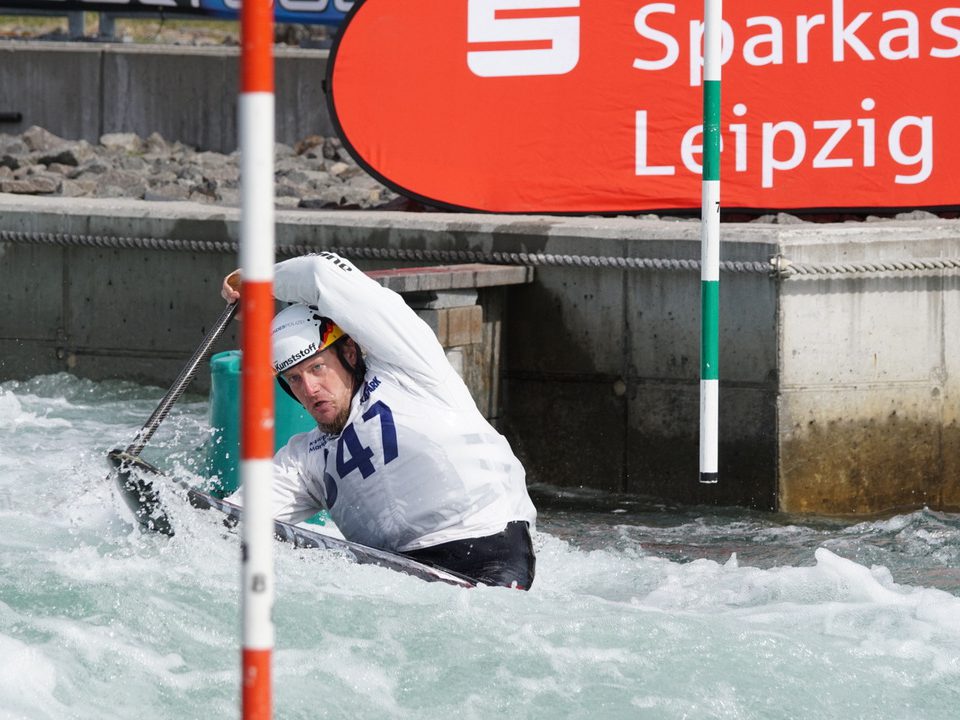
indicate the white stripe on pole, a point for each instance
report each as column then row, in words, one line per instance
column 712, row 33
column 257, row 186
column 257, row 476
column 709, row 431
column 710, row 232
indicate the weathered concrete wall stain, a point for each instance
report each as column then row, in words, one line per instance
column 871, row 467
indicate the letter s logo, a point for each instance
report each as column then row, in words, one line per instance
column 532, row 37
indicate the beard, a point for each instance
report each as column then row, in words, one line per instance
column 339, row 422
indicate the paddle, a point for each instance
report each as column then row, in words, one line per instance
column 183, row 380
column 137, row 492
column 300, row 537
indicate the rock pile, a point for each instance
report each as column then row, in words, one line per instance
column 317, row 173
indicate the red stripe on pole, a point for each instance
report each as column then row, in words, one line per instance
column 256, row 38
column 256, row 684
column 256, row 438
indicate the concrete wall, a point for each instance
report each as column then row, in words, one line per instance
column 607, row 362
column 839, row 394
column 102, row 312
column 870, row 374
column 80, row 91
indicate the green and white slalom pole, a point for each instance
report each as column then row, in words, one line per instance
column 710, row 246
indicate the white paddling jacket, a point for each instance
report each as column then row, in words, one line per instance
column 416, row 465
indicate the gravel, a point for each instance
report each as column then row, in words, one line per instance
column 317, row 173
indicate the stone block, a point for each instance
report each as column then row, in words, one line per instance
column 437, row 320
column 455, row 356
column 464, row 325
column 438, row 299
column 452, row 277
column 455, row 326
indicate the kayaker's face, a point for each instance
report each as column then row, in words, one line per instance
column 324, row 386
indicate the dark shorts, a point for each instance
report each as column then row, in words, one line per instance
column 502, row 559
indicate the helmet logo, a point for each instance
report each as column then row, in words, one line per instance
column 297, row 357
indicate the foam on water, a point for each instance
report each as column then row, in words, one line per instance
column 638, row 611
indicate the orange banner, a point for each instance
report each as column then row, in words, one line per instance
column 577, row 106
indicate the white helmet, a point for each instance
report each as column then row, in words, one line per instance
column 298, row 332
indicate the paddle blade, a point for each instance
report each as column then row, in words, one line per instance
column 139, row 493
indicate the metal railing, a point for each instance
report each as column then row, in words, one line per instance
column 76, row 22
column 330, row 13
column 107, row 21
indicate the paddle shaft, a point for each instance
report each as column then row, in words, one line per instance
column 183, row 380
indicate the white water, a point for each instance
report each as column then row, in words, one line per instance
column 638, row 611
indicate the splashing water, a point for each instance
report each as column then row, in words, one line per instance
column 639, row 610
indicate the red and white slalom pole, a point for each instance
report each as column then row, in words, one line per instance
column 257, row 252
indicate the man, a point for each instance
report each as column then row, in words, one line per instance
column 401, row 456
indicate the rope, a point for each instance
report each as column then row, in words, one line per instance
column 789, row 269
column 778, row 266
column 115, row 242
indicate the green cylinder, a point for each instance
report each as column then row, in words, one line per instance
column 223, row 454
